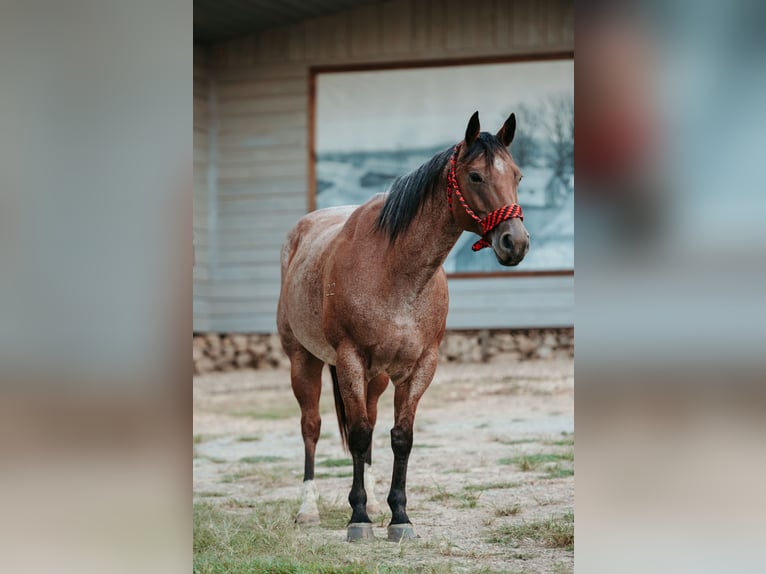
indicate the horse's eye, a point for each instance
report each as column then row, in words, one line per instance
column 475, row 177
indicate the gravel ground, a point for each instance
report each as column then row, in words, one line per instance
column 467, row 476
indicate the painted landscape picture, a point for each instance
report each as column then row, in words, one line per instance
column 375, row 126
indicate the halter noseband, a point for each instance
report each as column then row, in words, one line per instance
column 488, row 223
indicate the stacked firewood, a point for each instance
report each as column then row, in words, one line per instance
column 219, row 352
column 227, row 352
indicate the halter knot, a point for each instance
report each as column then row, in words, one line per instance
column 488, row 223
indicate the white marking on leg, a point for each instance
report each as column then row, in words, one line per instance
column 309, row 500
column 369, row 487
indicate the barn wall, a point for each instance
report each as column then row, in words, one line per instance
column 203, row 196
column 262, row 100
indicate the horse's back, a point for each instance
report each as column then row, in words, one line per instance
column 316, row 229
column 302, row 260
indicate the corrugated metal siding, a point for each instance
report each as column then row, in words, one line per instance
column 262, row 102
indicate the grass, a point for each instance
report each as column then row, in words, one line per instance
column 333, row 515
column 562, row 442
column 265, row 539
column 264, row 477
column 510, row 442
column 249, row 438
column 213, row 459
column 558, row 471
column 464, row 499
column 552, row 532
column 198, row 438
column 491, row 486
column 270, row 412
column 261, row 458
column 211, row 494
column 335, row 462
column 511, row 510
column 341, row 474
column 527, row 462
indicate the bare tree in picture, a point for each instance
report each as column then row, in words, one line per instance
column 525, row 147
column 558, row 124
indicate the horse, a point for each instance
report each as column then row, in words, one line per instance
column 363, row 290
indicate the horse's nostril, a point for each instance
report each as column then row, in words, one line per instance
column 506, row 241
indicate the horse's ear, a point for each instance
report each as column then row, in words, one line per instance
column 472, row 131
column 506, row 132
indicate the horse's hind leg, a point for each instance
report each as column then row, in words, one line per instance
column 375, row 388
column 306, row 377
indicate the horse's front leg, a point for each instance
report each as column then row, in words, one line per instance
column 374, row 389
column 352, row 386
column 406, row 397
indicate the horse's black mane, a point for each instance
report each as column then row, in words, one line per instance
column 408, row 193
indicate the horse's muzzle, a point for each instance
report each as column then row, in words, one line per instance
column 510, row 241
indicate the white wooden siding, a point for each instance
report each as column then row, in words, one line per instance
column 202, row 273
column 261, row 99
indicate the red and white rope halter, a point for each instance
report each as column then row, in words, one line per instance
column 488, row 223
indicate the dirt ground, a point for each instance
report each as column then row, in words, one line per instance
column 494, row 449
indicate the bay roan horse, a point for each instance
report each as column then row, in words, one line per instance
column 363, row 290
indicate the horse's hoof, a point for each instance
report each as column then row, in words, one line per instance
column 359, row 531
column 399, row 532
column 373, row 508
column 307, row 519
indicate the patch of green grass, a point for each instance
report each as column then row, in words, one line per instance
column 527, row 462
column 211, row 494
column 562, row 442
column 263, row 540
column 510, row 510
column 491, row 486
column 425, row 446
column 249, row 438
column 383, row 518
column 261, row 458
column 341, row 474
column 265, row 477
column 442, row 495
column 558, row 471
column 214, row 459
column 335, row 462
column 270, row 412
column 333, row 515
column 198, row 438
column 464, row 499
column 511, row 442
column 552, row 532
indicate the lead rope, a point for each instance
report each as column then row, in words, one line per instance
column 488, row 223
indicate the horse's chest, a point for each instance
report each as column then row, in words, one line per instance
column 397, row 340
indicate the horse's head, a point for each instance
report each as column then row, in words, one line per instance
column 488, row 178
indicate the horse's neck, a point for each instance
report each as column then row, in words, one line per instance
column 422, row 248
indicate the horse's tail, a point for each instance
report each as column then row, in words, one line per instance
column 340, row 409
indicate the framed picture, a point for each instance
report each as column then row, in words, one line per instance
column 371, row 126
